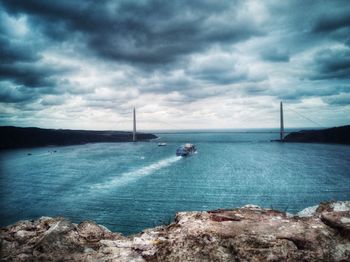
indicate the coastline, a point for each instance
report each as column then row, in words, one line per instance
column 334, row 135
column 27, row 137
column 246, row 233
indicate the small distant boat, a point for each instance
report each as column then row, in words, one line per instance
column 186, row 150
column 162, row 144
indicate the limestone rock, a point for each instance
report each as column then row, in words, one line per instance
column 338, row 220
column 250, row 233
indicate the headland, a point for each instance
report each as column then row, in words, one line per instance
column 21, row 137
column 334, row 135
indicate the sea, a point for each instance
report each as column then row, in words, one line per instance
column 128, row 187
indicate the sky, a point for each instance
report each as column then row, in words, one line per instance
column 183, row 64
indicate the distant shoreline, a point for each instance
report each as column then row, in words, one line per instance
column 334, row 135
column 27, row 137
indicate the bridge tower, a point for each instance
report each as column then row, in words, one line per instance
column 134, row 129
column 282, row 124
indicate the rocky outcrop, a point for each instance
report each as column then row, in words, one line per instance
column 249, row 233
column 335, row 135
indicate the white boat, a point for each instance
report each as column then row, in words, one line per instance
column 186, row 150
column 162, row 144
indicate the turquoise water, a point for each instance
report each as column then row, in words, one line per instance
column 131, row 186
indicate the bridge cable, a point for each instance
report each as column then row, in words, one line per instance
column 305, row 117
column 164, row 122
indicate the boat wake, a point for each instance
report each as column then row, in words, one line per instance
column 131, row 176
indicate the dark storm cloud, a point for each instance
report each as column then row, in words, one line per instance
column 30, row 75
column 299, row 25
column 22, row 68
column 275, row 55
column 13, row 94
column 333, row 21
column 12, row 47
column 146, row 32
column 219, row 76
column 338, row 100
column 12, row 51
column 306, row 92
column 111, row 55
column 332, row 64
column 299, row 90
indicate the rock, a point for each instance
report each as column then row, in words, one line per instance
column 23, row 235
column 307, row 212
column 250, row 233
column 340, row 206
column 338, row 220
column 92, row 232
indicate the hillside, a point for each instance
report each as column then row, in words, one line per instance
column 336, row 135
column 19, row 137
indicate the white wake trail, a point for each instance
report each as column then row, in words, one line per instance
column 131, row 176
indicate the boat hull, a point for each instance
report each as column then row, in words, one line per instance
column 186, row 150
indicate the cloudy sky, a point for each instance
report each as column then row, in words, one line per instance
column 183, row 64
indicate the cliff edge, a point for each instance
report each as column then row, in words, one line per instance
column 250, row 233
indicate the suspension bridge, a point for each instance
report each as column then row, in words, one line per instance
column 282, row 132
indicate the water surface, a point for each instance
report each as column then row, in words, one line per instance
column 131, row 186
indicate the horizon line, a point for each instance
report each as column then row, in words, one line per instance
column 233, row 129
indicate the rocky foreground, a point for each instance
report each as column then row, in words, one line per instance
column 249, row 233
